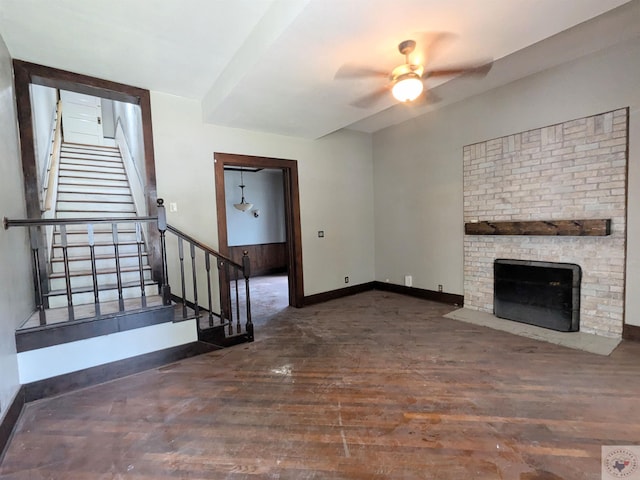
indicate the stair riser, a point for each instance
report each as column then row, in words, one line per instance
column 91, row 169
column 93, row 149
column 101, row 237
column 87, row 280
column 93, row 183
column 89, row 189
column 105, row 296
column 81, row 214
column 66, row 173
column 83, row 251
column 94, row 206
column 70, row 158
column 107, row 263
column 94, row 197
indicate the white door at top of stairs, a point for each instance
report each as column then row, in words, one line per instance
column 81, row 118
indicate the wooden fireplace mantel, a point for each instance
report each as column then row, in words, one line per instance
column 578, row 228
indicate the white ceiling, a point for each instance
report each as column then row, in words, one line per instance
column 269, row 65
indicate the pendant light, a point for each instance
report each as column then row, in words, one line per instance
column 243, row 206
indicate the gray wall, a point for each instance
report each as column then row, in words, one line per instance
column 263, row 189
column 15, row 287
column 418, row 164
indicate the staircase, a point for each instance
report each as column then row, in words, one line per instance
column 93, row 184
column 95, row 278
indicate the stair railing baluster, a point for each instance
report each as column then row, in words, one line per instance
column 196, row 307
column 207, row 265
column 222, row 265
column 94, row 270
column 67, row 276
column 184, row 287
column 246, row 270
column 238, row 322
column 165, row 289
column 143, row 293
column 116, row 248
column 34, row 235
column 235, row 274
column 230, row 280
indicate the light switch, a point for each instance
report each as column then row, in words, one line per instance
column 320, row 233
column 173, row 207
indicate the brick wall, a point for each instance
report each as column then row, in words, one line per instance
column 573, row 170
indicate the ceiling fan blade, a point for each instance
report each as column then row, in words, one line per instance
column 478, row 70
column 358, row 71
column 427, row 97
column 431, row 43
column 370, row 99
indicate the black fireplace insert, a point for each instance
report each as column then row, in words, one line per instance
column 546, row 294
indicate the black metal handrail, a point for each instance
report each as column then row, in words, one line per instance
column 38, row 222
column 230, row 271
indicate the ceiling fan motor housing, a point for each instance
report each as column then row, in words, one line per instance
column 406, row 70
column 407, row 47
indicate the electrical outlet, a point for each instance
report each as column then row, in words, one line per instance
column 408, row 281
column 346, row 279
column 439, row 288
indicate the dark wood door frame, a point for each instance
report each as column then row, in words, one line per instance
column 25, row 74
column 291, row 207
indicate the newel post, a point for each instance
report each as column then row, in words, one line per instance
column 165, row 288
column 246, row 271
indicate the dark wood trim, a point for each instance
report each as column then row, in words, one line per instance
column 111, row 371
column 10, row 420
column 631, row 332
column 292, row 215
column 579, row 228
column 265, row 258
column 58, row 333
column 339, row 293
column 441, row 297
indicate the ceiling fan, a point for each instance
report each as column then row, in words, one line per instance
column 407, row 81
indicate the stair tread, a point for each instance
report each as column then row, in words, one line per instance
column 96, row 201
column 96, row 244
column 89, row 146
column 99, row 271
column 101, row 288
column 71, row 153
column 95, row 231
column 85, row 258
column 92, row 169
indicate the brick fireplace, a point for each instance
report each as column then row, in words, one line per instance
column 575, row 170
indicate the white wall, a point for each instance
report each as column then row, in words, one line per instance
column 69, row 357
column 43, row 107
column 335, row 179
column 418, row 164
column 16, row 294
column 130, row 117
column 264, row 189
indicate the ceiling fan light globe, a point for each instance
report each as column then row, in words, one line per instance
column 407, row 88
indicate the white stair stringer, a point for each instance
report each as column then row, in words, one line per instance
column 93, row 184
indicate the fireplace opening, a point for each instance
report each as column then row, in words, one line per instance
column 546, row 294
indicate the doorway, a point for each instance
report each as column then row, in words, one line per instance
column 27, row 74
column 293, row 237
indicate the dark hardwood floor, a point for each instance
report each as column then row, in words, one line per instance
column 372, row 386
